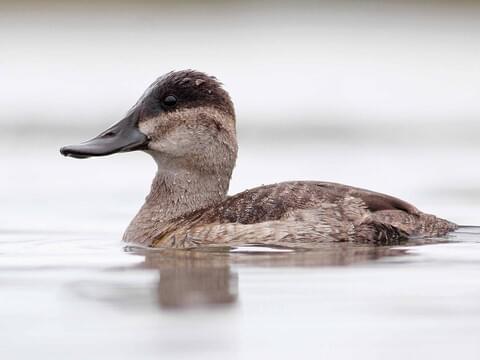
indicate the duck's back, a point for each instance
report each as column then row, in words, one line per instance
column 299, row 214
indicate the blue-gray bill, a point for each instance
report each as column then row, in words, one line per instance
column 122, row 137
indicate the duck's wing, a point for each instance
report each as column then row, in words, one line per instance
column 303, row 212
column 272, row 202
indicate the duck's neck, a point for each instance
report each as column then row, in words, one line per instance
column 175, row 192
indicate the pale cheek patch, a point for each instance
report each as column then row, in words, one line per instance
column 150, row 128
column 147, row 127
column 171, row 131
column 161, row 137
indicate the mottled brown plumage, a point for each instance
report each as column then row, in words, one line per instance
column 301, row 214
column 186, row 121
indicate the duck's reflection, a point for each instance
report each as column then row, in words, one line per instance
column 205, row 278
column 209, row 277
column 191, row 279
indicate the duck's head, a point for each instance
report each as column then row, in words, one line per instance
column 184, row 119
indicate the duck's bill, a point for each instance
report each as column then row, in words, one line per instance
column 122, row 137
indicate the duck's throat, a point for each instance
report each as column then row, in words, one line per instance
column 174, row 193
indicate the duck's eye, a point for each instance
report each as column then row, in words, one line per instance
column 170, row 100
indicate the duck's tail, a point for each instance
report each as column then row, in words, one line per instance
column 421, row 224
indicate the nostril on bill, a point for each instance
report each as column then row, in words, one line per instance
column 108, row 134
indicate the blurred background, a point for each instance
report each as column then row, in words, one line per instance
column 378, row 94
column 403, row 65
column 383, row 95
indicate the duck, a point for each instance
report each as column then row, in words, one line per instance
column 186, row 122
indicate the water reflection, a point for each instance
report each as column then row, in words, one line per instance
column 189, row 279
column 62, row 289
column 207, row 277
